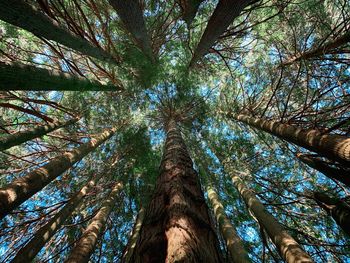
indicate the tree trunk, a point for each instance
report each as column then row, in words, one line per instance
column 30, row 134
column 335, row 147
column 338, row 209
column 21, row 189
column 224, row 14
column 21, row 14
column 135, row 235
column 321, row 50
column 339, row 174
column 233, row 241
column 87, row 242
column 177, row 226
column 189, row 9
column 131, row 15
column 24, row 77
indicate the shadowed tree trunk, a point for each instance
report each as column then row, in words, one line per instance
column 30, row 134
column 233, row 241
column 338, row 209
column 24, row 77
column 189, row 9
column 130, row 13
column 177, row 226
column 327, row 48
column 87, row 242
column 21, row 189
column 339, row 174
column 335, row 147
column 224, row 14
column 21, row 14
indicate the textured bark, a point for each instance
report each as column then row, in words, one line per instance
column 327, row 48
column 189, row 9
column 131, row 15
column 339, row 174
column 338, row 209
column 224, row 14
column 177, row 226
column 30, row 134
column 21, row 14
column 287, row 247
column 233, row 241
column 135, row 235
column 87, row 242
column 24, row 77
column 21, row 189
column 335, row 147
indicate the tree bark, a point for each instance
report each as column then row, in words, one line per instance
column 339, row 174
column 338, row 209
column 87, row 242
column 131, row 15
column 233, row 241
column 21, row 14
column 177, row 226
column 30, row 134
column 24, row 77
column 224, row 14
column 189, row 9
column 327, row 48
column 335, row 147
column 21, row 189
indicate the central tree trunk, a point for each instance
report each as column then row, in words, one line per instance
column 177, row 226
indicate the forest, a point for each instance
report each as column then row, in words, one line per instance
column 151, row 131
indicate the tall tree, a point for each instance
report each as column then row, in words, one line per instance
column 189, row 9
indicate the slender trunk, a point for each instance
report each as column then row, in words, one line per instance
column 338, row 209
column 131, row 15
column 30, row 134
column 21, row 189
column 189, row 9
column 135, row 235
column 87, row 242
column 23, row 15
column 339, row 174
column 327, row 48
column 224, row 14
column 177, row 226
column 233, row 241
column 24, row 77
column 44, row 234
column 335, row 147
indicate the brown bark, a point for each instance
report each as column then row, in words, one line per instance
column 233, row 241
column 24, row 77
column 338, row 209
column 87, row 242
column 21, row 189
column 189, row 9
column 224, row 14
column 30, row 134
column 21, row 14
column 335, row 147
column 339, row 174
column 131, row 15
column 177, row 226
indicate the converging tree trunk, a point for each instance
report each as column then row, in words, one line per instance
column 189, row 9
column 335, row 147
column 338, row 209
column 339, row 174
column 224, row 14
column 21, row 14
column 177, row 226
column 233, row 241
column 24, row 77
column 130, row 13
column 30, row 134
column 87, row 242
column 21, row 189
